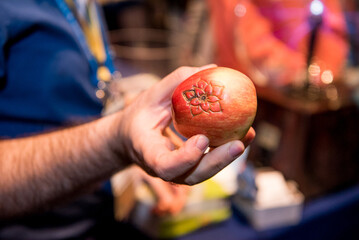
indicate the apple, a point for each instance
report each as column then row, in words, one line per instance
column 219, row 102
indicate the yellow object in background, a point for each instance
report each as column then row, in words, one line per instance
column 207, row 204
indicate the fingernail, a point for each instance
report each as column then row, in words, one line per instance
column 202, row 143
column 236, row 149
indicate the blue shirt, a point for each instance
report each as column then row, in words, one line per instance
column 46, row 83
column 44, row 74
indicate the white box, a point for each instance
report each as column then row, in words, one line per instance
column 277, row 203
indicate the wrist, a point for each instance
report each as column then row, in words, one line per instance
column 115, row 141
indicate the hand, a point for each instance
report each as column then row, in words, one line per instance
column 170, row 197
column 143, row 124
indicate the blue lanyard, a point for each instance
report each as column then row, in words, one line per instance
column 83, row 43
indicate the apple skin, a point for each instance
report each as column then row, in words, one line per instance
column 219, row 102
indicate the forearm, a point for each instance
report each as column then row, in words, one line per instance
column 40, row 170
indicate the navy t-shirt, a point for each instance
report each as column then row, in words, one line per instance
column 46, row 83
column 44, row 75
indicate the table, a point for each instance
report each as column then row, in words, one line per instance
column 334, row 216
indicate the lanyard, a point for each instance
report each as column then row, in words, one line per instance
column 90, row 37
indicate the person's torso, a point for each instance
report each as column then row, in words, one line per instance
column 46, row 82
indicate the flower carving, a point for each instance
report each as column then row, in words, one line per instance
column 204, row 98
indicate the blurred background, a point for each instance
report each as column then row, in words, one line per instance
column 303, row 57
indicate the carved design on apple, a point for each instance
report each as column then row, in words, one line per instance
column 204, row 97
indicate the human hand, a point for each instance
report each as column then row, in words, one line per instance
column 170, row 197
column 142, row 129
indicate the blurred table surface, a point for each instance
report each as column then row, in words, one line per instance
column 334, row 216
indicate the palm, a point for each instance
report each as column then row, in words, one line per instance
column 150, row 115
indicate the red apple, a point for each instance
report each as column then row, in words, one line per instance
column 219, row 102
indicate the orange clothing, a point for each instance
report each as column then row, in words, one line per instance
column 272, row 37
